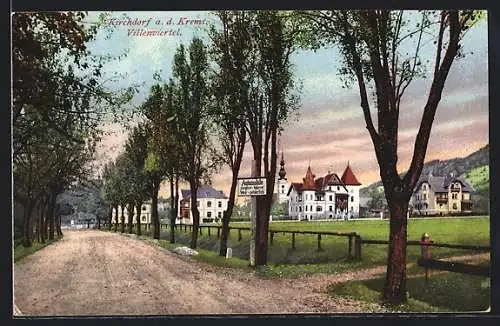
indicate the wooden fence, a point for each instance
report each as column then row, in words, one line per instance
column 428, row 262
column 354, row 245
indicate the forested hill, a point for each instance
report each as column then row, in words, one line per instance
column 459, row 166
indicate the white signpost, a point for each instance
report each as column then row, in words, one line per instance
column 253, row 186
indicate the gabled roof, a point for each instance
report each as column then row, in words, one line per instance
column 204, row 192
column 348, row 177
column 295, row 185
column 441, row 184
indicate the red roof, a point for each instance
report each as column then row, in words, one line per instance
column 309, row 183
column 348, row 177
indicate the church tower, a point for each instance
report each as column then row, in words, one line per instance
column 282, row 183
column 353, row 185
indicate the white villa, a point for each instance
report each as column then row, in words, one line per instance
column 211, row 203
column 328, row 197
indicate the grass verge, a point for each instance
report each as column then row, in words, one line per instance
column 444, row 292
column 20, row 251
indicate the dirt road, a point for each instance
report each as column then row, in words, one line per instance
column 101, row 273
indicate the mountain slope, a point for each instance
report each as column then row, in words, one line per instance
column 462, row 166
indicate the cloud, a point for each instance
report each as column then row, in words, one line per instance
column 330, row 129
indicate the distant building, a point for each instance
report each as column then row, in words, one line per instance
column 328, row 197
column 441, row 196
column 211, row 203
column 145, row 214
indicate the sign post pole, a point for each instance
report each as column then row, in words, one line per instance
column 253, row 227
column 253, row 187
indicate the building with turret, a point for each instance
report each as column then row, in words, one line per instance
column 328, row 197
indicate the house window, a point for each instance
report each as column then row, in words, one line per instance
column 454, row 206
column 306, row 208
column 220, row 203
column 330, row 208
column 143, row 218
column 318, row 208
column 209, row 214
column 338, row 188
column 352, row 208
column 330, row 198
column 219, row 214
column 352, row 199
column 424, row 196
column 311, row 208
column 282, row 189
column 209, row 204
column 418, row 197
column 424, row 187
column 300, row 208
column 144, row 208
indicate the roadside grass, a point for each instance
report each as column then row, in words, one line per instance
column 444, row 292
column 334, row 249
column 20, row 251
column 306, row 259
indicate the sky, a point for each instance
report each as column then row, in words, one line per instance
column 329, row 130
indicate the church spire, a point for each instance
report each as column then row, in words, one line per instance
column 282, row 171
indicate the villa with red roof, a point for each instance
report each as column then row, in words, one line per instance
column 328, row 197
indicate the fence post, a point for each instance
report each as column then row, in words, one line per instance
column 209, row 231
column 293, row 240
column 349, row 250
column 239, row 234
column 218, row 232
column 272, row 238
column 425, row 252
column 357, row 247
column 199, row 228
column 319, row 242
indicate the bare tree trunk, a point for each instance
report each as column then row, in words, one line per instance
column 59, row 230
column 173, row 211
column 27, row 231
column 395, row 283
column 227, row 214
column 122, row 209
column 138, row 217
column 154, row 210
column 196, row 213
column 50, row 213
column 43, row 204
column 130, row 209
column 37, row 226
column 58, row 221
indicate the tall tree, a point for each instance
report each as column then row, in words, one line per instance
column 275, row 92
column 190, row 76
column 136, row 149
column 373, row 43
column 232, row 50
column 154, row 165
